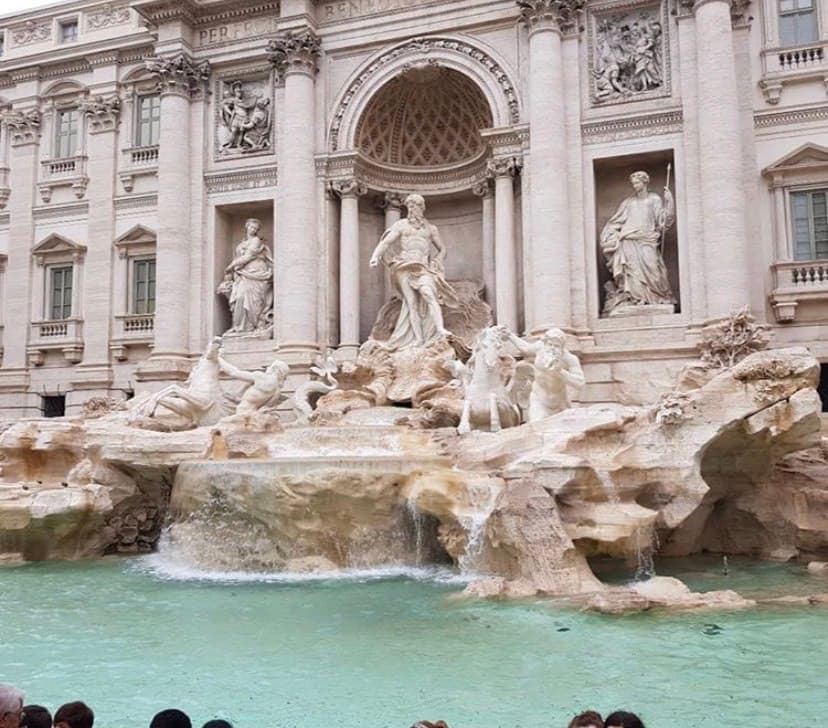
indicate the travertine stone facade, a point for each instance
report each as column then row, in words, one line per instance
column 138, row 139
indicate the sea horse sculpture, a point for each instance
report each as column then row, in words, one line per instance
column 490, row 401
column 200, row 401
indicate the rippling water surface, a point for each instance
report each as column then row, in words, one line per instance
column 386, row 648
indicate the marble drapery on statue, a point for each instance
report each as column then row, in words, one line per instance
column 631, row 243
column 417, row 276
column 248, row 283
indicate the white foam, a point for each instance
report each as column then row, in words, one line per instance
column 161, row 566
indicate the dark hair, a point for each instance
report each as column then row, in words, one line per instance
column 35, row 716
column 171, row 718
column 75, row 715
column 217, row 723
column 623, row 719
column 587, row 719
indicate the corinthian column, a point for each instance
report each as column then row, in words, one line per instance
column 349, row 192
column 180, row 78
column 103, row 114
column 548, row 280
column 483, row 190
column 503, row 171
column 294, row 54
column 721, row 158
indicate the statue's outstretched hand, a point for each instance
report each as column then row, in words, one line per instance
column 374, row 262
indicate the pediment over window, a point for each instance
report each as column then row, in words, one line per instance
column 56, row 248
column 135, row 241
column 808, row 162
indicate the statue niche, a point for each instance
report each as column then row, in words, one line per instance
column 248, row 284
column 245, row 121
column 632, row 243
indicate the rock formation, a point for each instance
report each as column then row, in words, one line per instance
column 720, row 464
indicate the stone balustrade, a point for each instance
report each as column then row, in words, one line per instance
column 65, row 335
column 63, row 171
column 796, row 282
column 131, row 329
column 781, row 66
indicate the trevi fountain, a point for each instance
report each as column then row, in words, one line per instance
column 435, row 525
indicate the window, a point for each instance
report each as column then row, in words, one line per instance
column 143, row 285
column 66, row 142
column 53, row 405
column 149, row 121
column 60, row 292
column 797, row 22
column 68, row 31
column 2, row 42
column 809, row 216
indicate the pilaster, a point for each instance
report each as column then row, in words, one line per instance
column 484, row 191
column 503, row 170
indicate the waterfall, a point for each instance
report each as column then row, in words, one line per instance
column 482, row 498
column 646, row 546
column 417, row 519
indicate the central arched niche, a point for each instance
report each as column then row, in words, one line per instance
column 427, row 117
column 420, row 132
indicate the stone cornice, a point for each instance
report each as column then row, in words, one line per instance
column 613, row 129
column 557, row 15
column 164, row 11
column 241, row 179
column 295, row 52
column 765, row 119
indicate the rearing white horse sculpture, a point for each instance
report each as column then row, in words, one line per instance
column 489, row 403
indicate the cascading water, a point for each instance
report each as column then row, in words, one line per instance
column 646, row 546
column 482, row 497
column 417, row 519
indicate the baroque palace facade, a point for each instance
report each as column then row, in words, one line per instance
column 139, row 140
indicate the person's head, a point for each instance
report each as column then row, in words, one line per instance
column 36, row 716
column 623, row 719
column 238, row 91
column 171, row 718
column 640, row 181
column 589, row 719
column 74, row 715
column 11, row 706
column 554, row 340
column 415, row 204
column 252, row 226
column 280, row 369
column 217, row 723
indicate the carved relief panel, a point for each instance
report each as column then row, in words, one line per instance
column 244, row 114
column 629, row 57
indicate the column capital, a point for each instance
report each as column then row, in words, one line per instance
column 560, row 16
column 295, row 52
column 483, row 189
column 349, row 188
column 738, row 8
column 393, row 200
column 23, row 126
column 503, row 166
column 103, row 112
column 179, row 74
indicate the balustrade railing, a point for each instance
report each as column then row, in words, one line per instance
column 143, row 156
column 808, row 275
column 134, row 326
column 64, row 167
column 791, row 60
column 62, row 329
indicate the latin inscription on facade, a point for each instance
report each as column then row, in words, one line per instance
column 236, row 31
column 344, row 9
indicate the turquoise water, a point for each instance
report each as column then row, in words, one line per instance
column 130, row 640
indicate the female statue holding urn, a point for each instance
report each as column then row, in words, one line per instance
column 248, row 282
